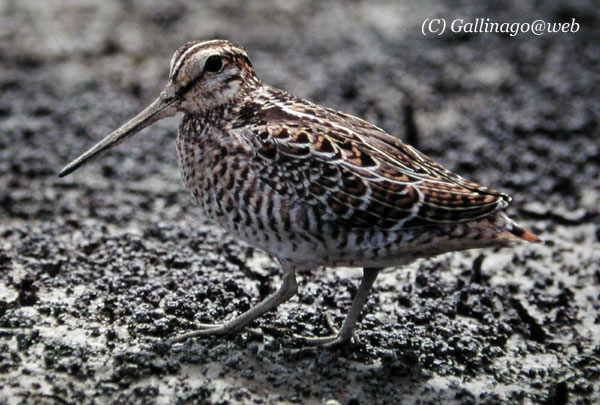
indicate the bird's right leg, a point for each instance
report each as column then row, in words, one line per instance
column 347, row 330
column 286, row 291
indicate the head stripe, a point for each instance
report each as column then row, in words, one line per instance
column 225, row 48
column 177, row 63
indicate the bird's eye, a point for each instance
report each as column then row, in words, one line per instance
column 213, row 64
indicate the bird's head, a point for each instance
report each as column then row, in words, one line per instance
column 203, row 76
column 208, row 74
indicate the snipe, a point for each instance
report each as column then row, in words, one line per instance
column 309, row 185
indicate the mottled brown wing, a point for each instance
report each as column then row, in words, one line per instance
column 355, row 173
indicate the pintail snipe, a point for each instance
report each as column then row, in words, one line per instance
column 309, row 185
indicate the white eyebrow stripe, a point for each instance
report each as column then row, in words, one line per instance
column 175, row 69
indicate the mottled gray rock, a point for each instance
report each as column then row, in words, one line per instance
column 99, row 269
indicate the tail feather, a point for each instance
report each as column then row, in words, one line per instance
column 522, row 234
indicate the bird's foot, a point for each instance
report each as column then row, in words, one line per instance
column 206, row 329
column 338, row 336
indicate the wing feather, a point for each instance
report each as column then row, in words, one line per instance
column 355, row 173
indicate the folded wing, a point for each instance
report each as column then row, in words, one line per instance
column 354, row 173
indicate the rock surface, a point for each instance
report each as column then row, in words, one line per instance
column 99, row 269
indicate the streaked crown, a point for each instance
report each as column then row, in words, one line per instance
column 204, row 75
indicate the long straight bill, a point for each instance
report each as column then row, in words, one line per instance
column 158, row 110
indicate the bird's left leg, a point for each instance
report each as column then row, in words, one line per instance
column 286, row 291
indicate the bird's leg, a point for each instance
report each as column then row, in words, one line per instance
column 347, row 330
column 286, row 291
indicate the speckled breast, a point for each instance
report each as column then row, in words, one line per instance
column 216, row 169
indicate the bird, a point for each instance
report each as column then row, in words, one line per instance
column 311, row 186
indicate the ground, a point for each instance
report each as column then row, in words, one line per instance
column 99, row 269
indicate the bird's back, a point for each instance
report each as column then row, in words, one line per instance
column 298, row 179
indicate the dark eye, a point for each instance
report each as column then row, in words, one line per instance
column 213, row 64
